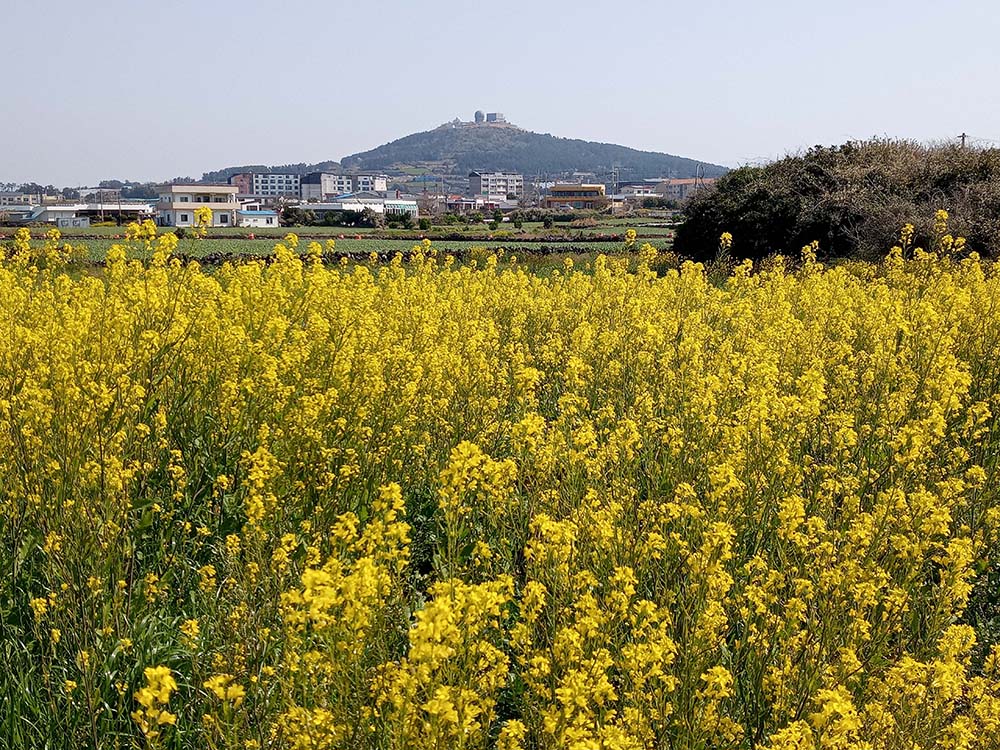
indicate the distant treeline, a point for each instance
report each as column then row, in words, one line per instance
column 223, row 175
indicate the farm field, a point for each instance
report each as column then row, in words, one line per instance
column 423, row 504
column 607, row 225
column 216, row 250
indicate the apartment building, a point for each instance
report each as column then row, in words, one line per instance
column 372, row 183
column 500, row 184
column 317, row 186
column 12, row 198
column 267, row 184
column 322, row 186
column 177, row 204
column 576, row 195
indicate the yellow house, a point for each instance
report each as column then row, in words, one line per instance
column 575, row 195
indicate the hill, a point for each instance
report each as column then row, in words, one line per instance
column 458, row 147
column 461, row 147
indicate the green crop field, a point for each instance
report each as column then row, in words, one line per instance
column 606, row 226
column 217, row 250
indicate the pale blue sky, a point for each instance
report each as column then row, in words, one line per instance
column 152, row 90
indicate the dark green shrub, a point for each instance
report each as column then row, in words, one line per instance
column 853, row 199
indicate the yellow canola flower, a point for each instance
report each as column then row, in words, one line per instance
column 153, row 699
column 225, row 689
column 421, row 503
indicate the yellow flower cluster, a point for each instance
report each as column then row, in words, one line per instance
column 153, row 699
column 424, row 504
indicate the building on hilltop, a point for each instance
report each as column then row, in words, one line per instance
column 579, row 195
column 496, row 184
column 487, row 118
column 177, row 204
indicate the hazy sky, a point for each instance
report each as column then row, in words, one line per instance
column 152, row 90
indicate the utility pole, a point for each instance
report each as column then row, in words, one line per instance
column 962, row 138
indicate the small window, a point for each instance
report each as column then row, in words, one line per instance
column 224, row 218
column 184, row 217
column 270, row 220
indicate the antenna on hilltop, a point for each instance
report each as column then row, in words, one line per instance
column 962, row 138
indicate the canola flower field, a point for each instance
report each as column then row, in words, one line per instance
column 423, row 505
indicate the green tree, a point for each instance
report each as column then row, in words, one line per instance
column 853, row 199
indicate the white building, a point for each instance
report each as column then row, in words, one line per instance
column 499, row 184
column 400, row 206
column 269, row 185
column 276, row 185
column 639, row 191
column 77, row 214
column 376, row 183
column 388, row 206
column 178, row 202
column 251, row 218
column 62, row 215
column 323, row 186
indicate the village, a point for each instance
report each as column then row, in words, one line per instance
column 258, row 200
column 261, row 199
